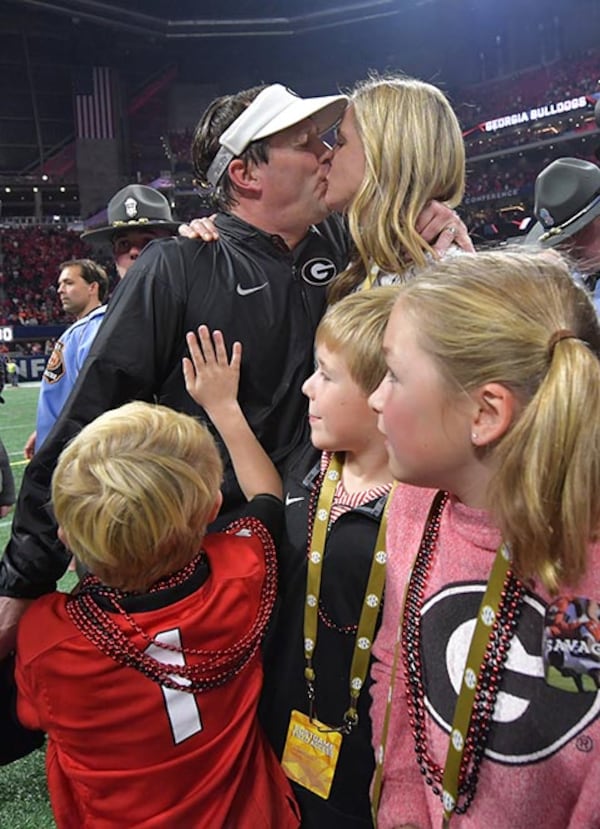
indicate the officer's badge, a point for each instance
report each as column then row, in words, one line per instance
column 546, row 218
column 131, row 207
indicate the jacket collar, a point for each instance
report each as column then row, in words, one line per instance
column 374, row 509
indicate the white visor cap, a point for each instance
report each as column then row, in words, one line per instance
column 274, row 109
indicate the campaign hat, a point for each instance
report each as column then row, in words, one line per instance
column 134, row 207
column 567, row 198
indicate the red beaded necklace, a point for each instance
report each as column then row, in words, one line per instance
column 215, row 667
column 490, row 674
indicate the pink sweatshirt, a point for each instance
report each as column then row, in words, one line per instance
column 541, row 767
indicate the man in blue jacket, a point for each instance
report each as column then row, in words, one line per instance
column 82, row 290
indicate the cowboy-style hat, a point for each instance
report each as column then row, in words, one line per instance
column 135, row 207
column 567, row 198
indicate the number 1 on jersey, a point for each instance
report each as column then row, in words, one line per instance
column 182, row 708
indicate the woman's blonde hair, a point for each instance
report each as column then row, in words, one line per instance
column 355, row 326
column 133, row 493
column 414, row 152
column 519, row 319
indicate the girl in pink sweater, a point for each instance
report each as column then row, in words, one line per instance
column 490, row 638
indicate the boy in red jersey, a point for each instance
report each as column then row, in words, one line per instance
column 147, row 678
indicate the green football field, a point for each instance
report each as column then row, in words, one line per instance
column 17, row 421
column 23, row 793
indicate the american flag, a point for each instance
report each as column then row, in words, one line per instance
column 94, row 113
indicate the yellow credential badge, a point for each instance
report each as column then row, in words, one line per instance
column 311, row 753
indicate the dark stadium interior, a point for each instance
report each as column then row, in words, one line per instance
column 522, row 76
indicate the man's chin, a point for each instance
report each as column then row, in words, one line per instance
column 320, row 213
column 335, row 206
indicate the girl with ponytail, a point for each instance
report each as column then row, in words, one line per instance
column 490, row 639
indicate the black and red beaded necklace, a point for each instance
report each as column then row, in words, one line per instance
column 488, row 681
column 211, row 668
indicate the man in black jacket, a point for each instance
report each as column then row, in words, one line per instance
column 263, row 283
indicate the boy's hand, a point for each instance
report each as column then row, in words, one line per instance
column 210, row 378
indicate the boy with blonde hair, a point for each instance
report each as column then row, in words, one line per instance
column 157, row 652
column 314, row 692
column 332, row 561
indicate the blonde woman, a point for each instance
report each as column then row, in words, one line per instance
column 491, row 411
column 399, row 147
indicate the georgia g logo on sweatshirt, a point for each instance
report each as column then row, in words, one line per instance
column 531, row 720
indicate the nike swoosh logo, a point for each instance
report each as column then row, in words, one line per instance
column 289, row 500
column 245, row 291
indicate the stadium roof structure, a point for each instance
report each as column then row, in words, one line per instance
column 190, row 19
column 46, row 45
column 211, row 47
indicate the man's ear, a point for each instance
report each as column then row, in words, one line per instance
column 216, row 507
column 495, row 405
column 243, row 176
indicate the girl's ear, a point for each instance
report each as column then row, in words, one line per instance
column 495, row 408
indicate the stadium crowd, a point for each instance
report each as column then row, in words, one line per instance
column 29, row 257
column 560, row 80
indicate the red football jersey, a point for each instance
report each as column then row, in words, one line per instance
column 126, row 751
